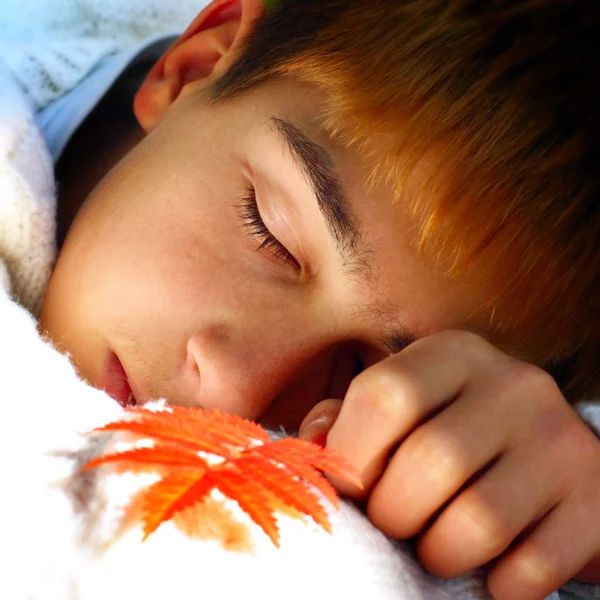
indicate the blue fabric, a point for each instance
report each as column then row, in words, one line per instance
column 59, row 120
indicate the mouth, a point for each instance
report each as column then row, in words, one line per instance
column 116, row 383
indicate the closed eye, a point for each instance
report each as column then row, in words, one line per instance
column 255, row 226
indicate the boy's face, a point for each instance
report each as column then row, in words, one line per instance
column 164, row 270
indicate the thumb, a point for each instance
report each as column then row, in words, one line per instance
column 319, row 421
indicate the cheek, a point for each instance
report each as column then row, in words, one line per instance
column 136, row 253
column 151, row 259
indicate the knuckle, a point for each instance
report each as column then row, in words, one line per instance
column 536, row 567
column 535, row 396
column 529, row 390
column 438, row 456
column 528, row 569
column 472, row 346
column 555, row 428
column 462, row 338
column 394, row 525
column 484, row 527
column 385, row 389
column 534, row 379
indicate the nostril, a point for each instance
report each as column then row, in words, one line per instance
column 359, row 365
column 207, row 345
column 194, row 356
column 195, row 368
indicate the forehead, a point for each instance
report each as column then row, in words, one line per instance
column 391, row 285
column 394, row 283
column 404, row 288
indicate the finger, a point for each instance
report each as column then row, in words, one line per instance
column 483, row 520
column 559, row 547
column 529, row 479
column 436, row 460
column 319, row 420
column 388, row 400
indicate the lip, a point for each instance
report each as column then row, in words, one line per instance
column 117, row 384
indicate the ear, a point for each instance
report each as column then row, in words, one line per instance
column 204, row 52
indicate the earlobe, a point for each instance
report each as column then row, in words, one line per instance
column 204, row 52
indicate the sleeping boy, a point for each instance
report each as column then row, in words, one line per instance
column 376, row 223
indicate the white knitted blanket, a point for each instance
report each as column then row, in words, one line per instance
column 49, row 551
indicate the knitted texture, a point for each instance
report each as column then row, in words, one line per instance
column 27, row 198
column 51, row 45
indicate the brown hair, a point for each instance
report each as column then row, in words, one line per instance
column 508, row 91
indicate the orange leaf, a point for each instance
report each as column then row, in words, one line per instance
column 240, row 430
column 229, row 428
column 168, row 434
column 260, row 475
column 300, row 466
column 211, row 519
column 335, row 464
column 292, row 492
column 251, row 497
column 203, row 430
column 320, row 458
column 158, row 455
column 172, row 494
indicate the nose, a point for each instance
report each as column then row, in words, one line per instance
column 226, row 372
column 282, row 376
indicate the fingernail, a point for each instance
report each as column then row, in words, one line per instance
column 316, row 431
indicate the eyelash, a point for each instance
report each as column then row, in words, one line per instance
column 255, row 226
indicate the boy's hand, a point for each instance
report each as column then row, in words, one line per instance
column 480, row 455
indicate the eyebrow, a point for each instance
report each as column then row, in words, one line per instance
column 397, row 341
column 317, row 165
